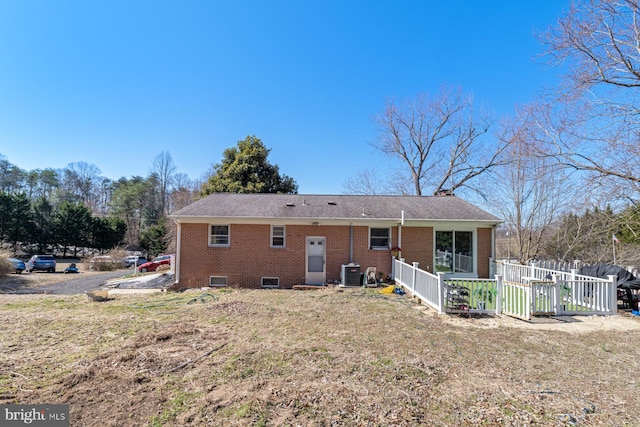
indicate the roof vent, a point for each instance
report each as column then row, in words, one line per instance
column 290, row 204
column 332, row 203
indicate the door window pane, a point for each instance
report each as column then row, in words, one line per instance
column 454, row 251
column 463, row 259
column 444, row 251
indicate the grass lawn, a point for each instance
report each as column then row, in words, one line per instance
column 313, row 358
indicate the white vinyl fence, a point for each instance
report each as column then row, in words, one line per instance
column 517, row 290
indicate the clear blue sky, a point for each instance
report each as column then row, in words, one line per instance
column 114, row 83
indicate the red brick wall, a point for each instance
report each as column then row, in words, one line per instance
column 417, row 246
column 484, row 252
column 250, row 257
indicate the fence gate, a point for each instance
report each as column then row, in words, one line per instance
column 543, row 298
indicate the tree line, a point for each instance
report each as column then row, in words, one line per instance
column 76, row 208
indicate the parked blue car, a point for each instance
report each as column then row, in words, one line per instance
column 18, row 265
column 42, row 263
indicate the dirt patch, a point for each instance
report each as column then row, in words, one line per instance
column 318, row 358
column 624, row 321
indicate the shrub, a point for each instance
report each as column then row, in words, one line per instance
column 5, row 267
column 103, row 263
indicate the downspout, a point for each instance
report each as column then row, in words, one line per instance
column 492, row 261
column 400, row 233
column 350, row 243
column 178, row 244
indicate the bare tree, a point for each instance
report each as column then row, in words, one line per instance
column 164, row 168
column 586, row 237
column 528, row 190
column 441, row 139
column 81, row 181
column 367, row 182
column 595, row 126
column 184, row 192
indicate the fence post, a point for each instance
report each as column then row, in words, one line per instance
column 557, row 296
column 574, row 273
column 533, row 269
column 401, row 271
column 413, row 280
column 441, row 292
column 613, row 294
column 498, row 294
column 393, row 267
column 528, row 298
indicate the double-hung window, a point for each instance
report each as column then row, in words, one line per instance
column 379, row 238
column 219, row 235
column 278, row 236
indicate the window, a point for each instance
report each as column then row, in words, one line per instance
column 379, row 238
column 277, row 236
column 219, row 235
column 454, row 251
column 218, row 281
column 270, row 282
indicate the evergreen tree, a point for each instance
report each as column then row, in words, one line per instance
column 107, row 233
column 245, row 169
column 73, row 226
column 153, row 239
column 44, row 224
column 16, row 221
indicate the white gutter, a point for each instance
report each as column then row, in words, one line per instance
column 179, row 240
column 400, row 233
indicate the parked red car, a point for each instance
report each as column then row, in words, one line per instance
column 155, row 263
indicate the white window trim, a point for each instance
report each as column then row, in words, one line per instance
column 380, row 248
column 284, row 237
column 474, row 245
column 218, row 245
column 226, row 281
column 269, row 286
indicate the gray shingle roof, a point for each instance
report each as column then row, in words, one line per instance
column 334, row 207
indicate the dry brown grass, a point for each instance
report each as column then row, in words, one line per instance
column 316, row 358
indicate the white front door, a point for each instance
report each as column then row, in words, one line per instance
column 316, row 272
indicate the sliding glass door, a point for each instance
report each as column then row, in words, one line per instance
column 454, row 252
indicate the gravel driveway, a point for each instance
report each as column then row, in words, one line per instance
column 61, row 284
column 80, row 285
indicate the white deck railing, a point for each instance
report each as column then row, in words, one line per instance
column 518, row 290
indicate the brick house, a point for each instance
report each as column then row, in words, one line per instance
column 281, row 240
